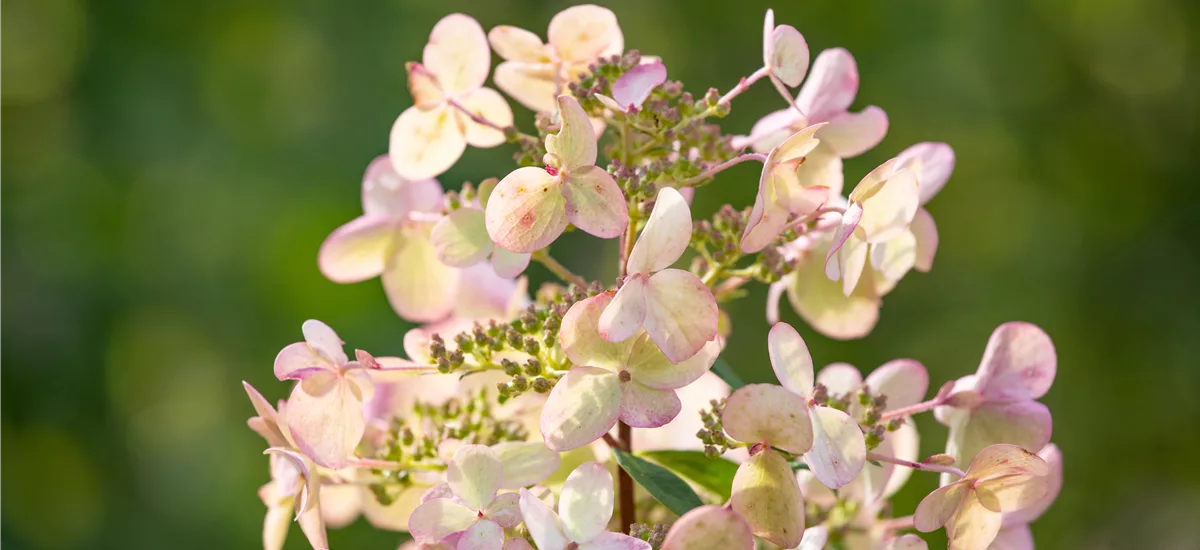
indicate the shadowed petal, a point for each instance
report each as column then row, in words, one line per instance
column 358, row 250
column 790, row 359
column 936, row 164
column 972, row 526
column 1016, row 537
column 608, row 540
column 838, row 450
column 1018, row 364
column 586, row 502
column 582, row 407
column 580, row 338
column 575, row 141
column 461, row 238
column 939, row 506
column 324, row 341
column 1026, row 424
column 327, row 424
column 644, row 407
column 297, row 361
column 626, row 313
column 482, row 535
column 526, row 211
column 531, row 84
column 505, row 509
column 594, row 202
column 710, row 527
column 418, row 285
column 437, row 518
column 823, row 305
column 787, row 58
column 908, row 542
column 925, row 231
column 852, row 134
column 424, row 144
column 840, row 378
column 650, row 366
column 1053, row 480
column 903, row 381
column 632, row 89
column 525, row 462
column 386, row 193
column 766, row 493
column 831, row 86
column 508, row 264
column 681, row 313
column 769, row 414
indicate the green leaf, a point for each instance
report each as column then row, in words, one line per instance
column 665, row 486
column 727, row 374
column 714, row 474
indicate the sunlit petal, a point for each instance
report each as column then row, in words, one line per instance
column 489, row 105
column 790, row 359
column 710, row 527
column 525, row 462
column 1026, row 424
column 386, row 193
column 457, row 53
column 531, row 84
column 582, row 407
column 461, row 238
column 439, row 517
column 765, row 492
column 543, row 524
column 788, row 56
column 644, row 407
column 327, row 424
column 852, row 134
column 936, row 161
column 939, row 506
column 424, row 144
column 633, row 87
column 839, row 451
column 666, row 235
column 594, row 202
column 586, row 502
column 517, row 44
column 583, row 33
column 475, row 474
column 769, row 414
column 1019, row 363
column 903, row 381
column 575, row 141
column 651, row 367
column 681, row 313
column 580, row 338
column 627, row 312
column 418, row 285
column 526, row 212
column 831, row 86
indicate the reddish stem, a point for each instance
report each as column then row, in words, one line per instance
column 624, row 482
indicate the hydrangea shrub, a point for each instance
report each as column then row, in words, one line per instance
column 607, row 416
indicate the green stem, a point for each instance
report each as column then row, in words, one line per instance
column 543, row 257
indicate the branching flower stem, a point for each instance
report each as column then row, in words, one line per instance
column 722, row 167
column 559, row 270
column 914, row 409
column 915, row 465
column 743, row 85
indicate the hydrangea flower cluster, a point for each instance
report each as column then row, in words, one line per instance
column 516, row 422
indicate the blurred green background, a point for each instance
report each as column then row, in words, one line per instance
column 170, row 168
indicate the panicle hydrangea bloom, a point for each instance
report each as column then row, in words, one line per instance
column 532, row 206
column 391, row 240
column 676, row 309
column 534, row 73
column 1001, row 478
column 461, row 239
column 710, row 527
column 631, row 381
column 585, row 507
column 429, row 137
column 468, row 506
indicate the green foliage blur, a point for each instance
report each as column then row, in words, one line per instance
column 170, row 168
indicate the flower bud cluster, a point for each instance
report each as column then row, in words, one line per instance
column 654, row 534
column 716, row 443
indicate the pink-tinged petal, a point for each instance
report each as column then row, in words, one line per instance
column 526, row 212
column 903, row 381
column 852, row 134
column 627, row 312
column 850, row 220
column 767, row 219
column 327, row 424
column 794, row 148
column 482, row 535
column 543, row 524
column 525, row 462
column 633, row 87
column 768, row 28
column 972, row 526
column 489, row 105
column 1004, row 460
column 484, row 294
column 586, row 502
column 266, row 426
column 681, row 313
column 666, row 235
column 418, row 285
column 840, row 378
column 360, row 383
column 531, row 84
column 774, row 295
column 423, row 86
column 814, row 538
column 580, row 34
column 1018, row 364
column 838, row 450
column 821, row 303
column 1026, row 424
column 582, row 407
column 475, row 474
column 313, row 528
column 505, row 510
column 644, row 407
column 788, row 55
column 358, row 250
column 517, row 44
column 712, row 527
column 934, row 162
column 681, row 432
column 575, row 143
column 790, row 359
column 822, row 168
column 395, row 516
column 457, row 53
column 424, row 144
column 764, row 413
column 925, row 232
column 905, row 444
column 461, row 238
column 608, row 540
column 889, row 204
column 324, row 341
column 1011, row 493
column 766, row 493
column 939, row 506
column 441, row 490
column 508, row 264
column 1053, row 481
column 517, row 544
column 907, row 542
column 831, row 86
column 594, row 202
column 651, row 367
column 580, row 338
column 437, row 518
column 773, row 129
column 1016, row 537
column 386, row 193
column 288, row 468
